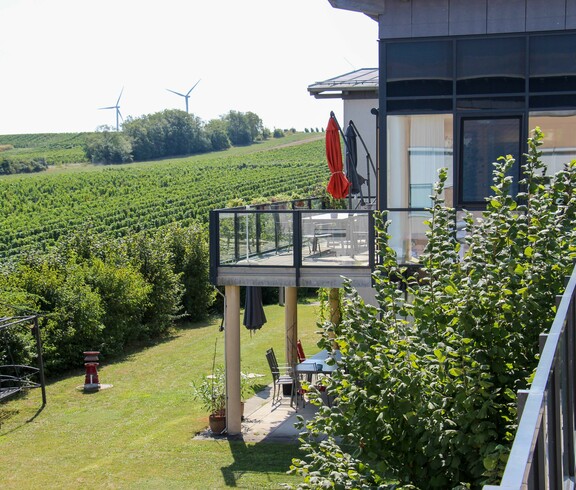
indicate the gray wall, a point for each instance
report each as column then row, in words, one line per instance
column 422, row 18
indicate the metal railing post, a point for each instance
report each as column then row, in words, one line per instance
column 297, row 243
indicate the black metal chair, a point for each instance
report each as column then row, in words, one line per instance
column 281, row 376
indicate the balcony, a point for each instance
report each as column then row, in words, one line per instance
column 297, row 243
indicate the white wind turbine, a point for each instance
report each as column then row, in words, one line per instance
column 117, row 108
column 186, row 96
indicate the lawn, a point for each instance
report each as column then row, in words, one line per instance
column 140, row 433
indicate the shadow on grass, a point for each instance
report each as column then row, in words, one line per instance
column 6, row 414
column 264, row 457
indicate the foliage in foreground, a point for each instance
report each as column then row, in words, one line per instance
column 428, row 394
column 98, row 294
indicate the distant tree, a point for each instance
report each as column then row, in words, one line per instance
column 266, row 133
column 168, row 133
column 278, row 133
column 305, row 130
column 255, row 124
column 108, row 147
column 216, row 132
column 238, row 128
column 243, row 128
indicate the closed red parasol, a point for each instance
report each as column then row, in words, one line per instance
column 338, row 184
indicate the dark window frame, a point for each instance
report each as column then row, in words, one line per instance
column 458, row 161
column 531, row 98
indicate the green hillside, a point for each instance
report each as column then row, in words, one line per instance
column 38, row 209
column 53, row 141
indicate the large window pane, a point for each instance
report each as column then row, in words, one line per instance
column 483, row 141
column 559, row 146
column 553, row 63
column 418, row 68
column 418, row 146
column 408, row 235
column 490, row 66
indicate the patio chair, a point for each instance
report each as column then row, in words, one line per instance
column 300, row 351
column 281, row 376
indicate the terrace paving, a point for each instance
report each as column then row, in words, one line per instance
column 268, row 422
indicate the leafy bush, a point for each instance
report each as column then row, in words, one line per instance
column 101, row 294
column 168, row 133
column 278, row 133
column 19, row 165
column 427, row 393
column 108, row 147
column 216, row 131
column 190, row 255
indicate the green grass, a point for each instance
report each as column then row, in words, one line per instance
column 140, row 433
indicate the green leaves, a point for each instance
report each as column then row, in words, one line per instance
column 436, row 408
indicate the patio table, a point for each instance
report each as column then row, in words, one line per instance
column 317, row 363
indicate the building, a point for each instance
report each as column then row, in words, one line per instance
column 460, row 83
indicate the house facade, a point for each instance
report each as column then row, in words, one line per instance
column 461, row 83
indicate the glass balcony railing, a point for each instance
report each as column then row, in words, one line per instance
column 291, row 235
column 301, row 234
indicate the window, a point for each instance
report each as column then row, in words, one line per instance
column 490, row 66
column 559, row 145
column 419, row 146
column 553, row 63
column 482, row 142
column 418, row 68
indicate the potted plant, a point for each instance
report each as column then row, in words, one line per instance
column 211, row 392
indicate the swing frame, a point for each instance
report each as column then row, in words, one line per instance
column 15, row 378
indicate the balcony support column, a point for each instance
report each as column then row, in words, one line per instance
column 291, row 324
column 334, row 301
column 232, row 361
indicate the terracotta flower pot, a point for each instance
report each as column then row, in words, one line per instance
column 217, row 422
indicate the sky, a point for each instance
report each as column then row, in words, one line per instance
column 61, row 60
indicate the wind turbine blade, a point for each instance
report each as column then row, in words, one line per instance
column 120, row 114
column 193, row 87
column 177, row 93
column 111, row 107
column 121, row 92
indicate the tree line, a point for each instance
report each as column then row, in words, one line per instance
column 98, row 293
column 173, row 132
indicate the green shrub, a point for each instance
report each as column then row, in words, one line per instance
column 108, row 148
column 189, row 249
column 428, row 393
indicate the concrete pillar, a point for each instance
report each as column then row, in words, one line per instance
column 291, row 323
column 232, row 361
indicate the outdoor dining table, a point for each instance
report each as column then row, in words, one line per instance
column 317, row 363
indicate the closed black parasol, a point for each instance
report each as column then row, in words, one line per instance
column 355, row 179
column 254, row 316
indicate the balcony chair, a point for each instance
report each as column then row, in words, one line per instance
column 300, row 351
column 282, row 375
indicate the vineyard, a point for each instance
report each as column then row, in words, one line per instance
column 45, row 140
column 49, row 148
column 39, row 209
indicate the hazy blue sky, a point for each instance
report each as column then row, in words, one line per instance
column 63, row 59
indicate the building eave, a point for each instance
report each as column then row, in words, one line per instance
column 372, row 8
